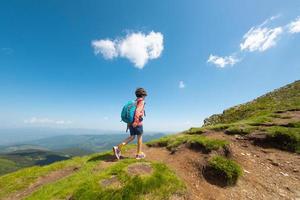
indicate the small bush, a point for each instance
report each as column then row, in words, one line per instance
column 284, row 138
column 226, row 169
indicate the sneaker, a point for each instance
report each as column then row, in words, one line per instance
column 117, row 152
column 140, row 156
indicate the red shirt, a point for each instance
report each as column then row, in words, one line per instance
column 139, row 112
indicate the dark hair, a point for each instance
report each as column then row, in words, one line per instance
column 140, row 92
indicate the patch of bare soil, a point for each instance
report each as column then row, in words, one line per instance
column 49, row 178
column 268, row 174
column 139, row 169
column 112, row 182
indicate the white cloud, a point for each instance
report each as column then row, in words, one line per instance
column 35, row 120
column 106, row 48
column 294, row 26
column 260, row 38
column 137, row 47
column 181, row 85
column 222, row 61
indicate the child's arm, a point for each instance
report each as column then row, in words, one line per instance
column 139, row 112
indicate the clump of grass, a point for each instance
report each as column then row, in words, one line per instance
column 284, row 138
column 160, row 142
column 173, row 142
column 218, row 127
column 239, row 129
column 293, row 125
column 207, row 143
column 259, row 120
column 196, row 130
column 224, row 168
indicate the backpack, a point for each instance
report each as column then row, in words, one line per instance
column 128, row 112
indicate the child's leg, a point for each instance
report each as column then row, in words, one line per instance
column 126, row 141
column 139, row 144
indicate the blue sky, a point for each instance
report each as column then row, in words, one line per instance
column 73, row 64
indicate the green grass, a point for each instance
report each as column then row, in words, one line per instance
column 284, row 137
column 225, row 168
column 240, row 129
column 196, row 130
column 293, row 125
column 172, row 142
column 21, row 179
column 85, row 184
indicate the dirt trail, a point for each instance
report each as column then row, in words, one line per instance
column 268, row 174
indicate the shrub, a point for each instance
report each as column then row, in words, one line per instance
column 225, row 168
column 284, row 138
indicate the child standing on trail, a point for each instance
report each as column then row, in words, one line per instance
column 134, row 123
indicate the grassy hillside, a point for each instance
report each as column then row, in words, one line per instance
column 282, row 99
column 92, row 177
column 275, row 114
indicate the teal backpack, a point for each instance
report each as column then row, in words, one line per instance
column 128, row 112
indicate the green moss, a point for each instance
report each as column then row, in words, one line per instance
column 284, row 137
column 226, row 168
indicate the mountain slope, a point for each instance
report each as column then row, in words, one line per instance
column 272, row 119
column 282, row 99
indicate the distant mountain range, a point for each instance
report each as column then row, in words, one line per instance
column 12, row 136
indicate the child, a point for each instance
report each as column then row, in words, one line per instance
column 136, row 128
